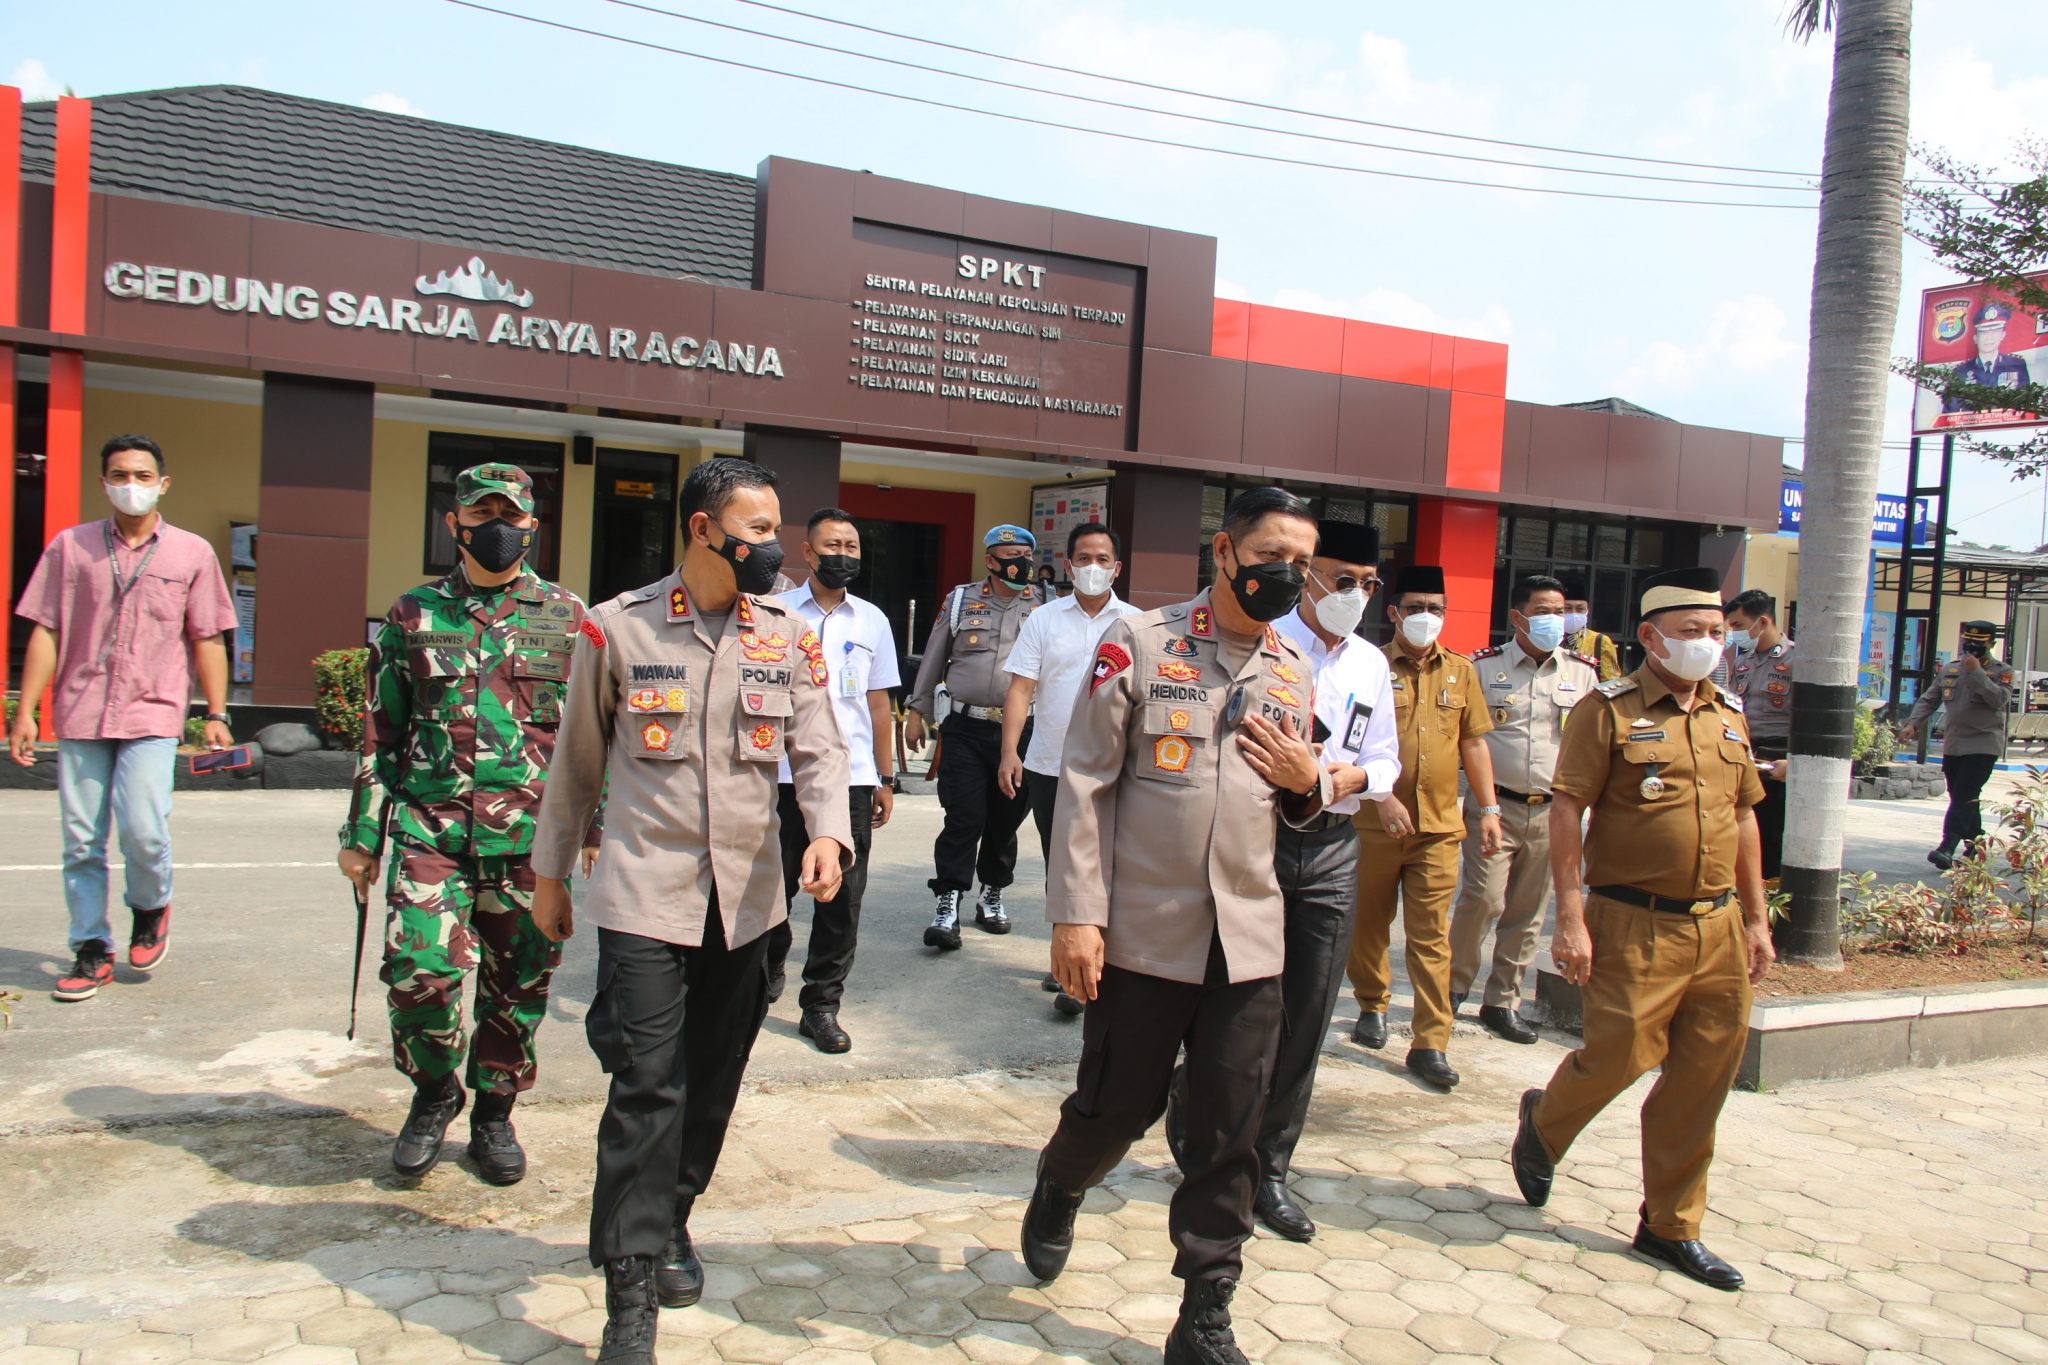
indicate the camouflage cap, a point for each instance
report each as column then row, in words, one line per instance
column 506, row 480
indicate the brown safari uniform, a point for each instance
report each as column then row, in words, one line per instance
column 1670, row 984
column 682, row 722
column 1529, row 698
column 1438, row 702
column 1163, row 837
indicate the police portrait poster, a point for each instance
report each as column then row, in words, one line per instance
column 1974, row 329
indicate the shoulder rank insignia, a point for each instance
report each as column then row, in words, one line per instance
column 745, row 610
column 678, row 604
column 1487, row 653
column 1272, row 641
column 1586, row 659
column 593, row 632
column 1619, row 687
column 1198, row 624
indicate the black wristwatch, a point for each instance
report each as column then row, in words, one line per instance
column 220, row 716
column 894, row 782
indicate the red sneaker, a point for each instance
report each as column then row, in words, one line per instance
column 150, row 940
column 94, row 969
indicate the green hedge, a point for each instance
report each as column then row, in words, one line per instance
column 338, row 688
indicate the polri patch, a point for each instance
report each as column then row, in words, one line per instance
column 1110, row 660
column 593, row 633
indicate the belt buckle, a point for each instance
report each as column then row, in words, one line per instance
column 1535, row 798
column 992, row 713
column 1698, row 908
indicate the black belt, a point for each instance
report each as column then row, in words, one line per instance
column 1323, row 823
column 1646, row 900
column 1523, row 798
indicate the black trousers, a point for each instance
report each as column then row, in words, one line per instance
column 979, row 838
column 835, row 924
column 1129, row 1037
column 1318, row 873
column 1039, row 791
column 673, row 1026
column 1966, row 775
column 1770, row 825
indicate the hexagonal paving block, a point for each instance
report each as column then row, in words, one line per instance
column 247, row 1340
column 1447, row 1333
column 541, row 1302
column 491, row 1281
column 1303, row 1322
column 1605, row 1346
column 842, row 1331
column 393, row 1289
column 1001, row 1343
column 450, row 1314
column 1819, row 1348
column 190, row 1318
column 761, row 1343
column 1519, row 1322
column 1007, row 1303
column 1080, row 1330
column 348, row 1327
column 298, row 1303
column 312, row 1355
column 918, row 1351
column 930, row 1317
column 512, row 1342
column 1435, row 1296
column 140, row 1348
column 777, row 1303
column 861, row 1294
column 411, row 1348
column 1147, row 1314
column 1384, row 1347
column 792, row 1271
column 872, row 1259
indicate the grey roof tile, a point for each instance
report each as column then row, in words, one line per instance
column 284, row 156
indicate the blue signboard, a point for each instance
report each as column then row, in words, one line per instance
column 1887, row 518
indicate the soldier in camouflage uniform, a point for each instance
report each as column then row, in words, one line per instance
column 465, row 685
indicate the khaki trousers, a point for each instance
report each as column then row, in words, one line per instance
column 1511, row 889
column 1668, row 990
column 1419, row 873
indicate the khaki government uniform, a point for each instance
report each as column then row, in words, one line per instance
column 1164, row 838
column 1528, row 699
column 1600, row 648
column 682, row 724
column 1438, row 703
column 970, row 640
column 1670, row 984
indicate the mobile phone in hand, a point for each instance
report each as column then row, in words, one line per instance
column 222, row 760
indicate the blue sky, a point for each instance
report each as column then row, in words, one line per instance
column 1699, row 313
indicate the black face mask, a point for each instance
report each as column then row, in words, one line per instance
column 754, row 562
column 497, row 544
column 1267, row 592
column 1016, row 570
column 836, row 571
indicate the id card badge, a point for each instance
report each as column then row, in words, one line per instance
column 849, row 674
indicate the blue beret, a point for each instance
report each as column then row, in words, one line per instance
column 1007, row 534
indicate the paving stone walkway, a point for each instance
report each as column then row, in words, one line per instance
column 1897, row 1218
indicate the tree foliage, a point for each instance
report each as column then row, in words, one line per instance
column 1991, row 232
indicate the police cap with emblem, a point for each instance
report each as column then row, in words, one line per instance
column 1007, row 534
column 1980, row 632
column 1993, row 315
column 1422, row 578
column 1347, row 542
column 478, row 482
column 1681, row 590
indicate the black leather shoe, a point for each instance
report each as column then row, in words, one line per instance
column 1273, row 1206
column 495, row 1149
column 1942, row 858
column 434, row 1107
column 629, row 1312
column 1370, row 1030
column 1458, row 999
column 1432, row 1067
column 1503, row 1022
column 1048, row 1237
column 678, row 1275
column 1202, row 1335
column 778, row 979
column 1050, row 984
column 1690, row 1257
column 822, row 1028
column 1176, row 1125
column 1533, row 1167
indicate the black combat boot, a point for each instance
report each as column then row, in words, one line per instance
column 1048, row 1235
column 678, row 1274
column 629, row 1312
column 1202, row 1335
column 493, row 1145
column 434, row 1106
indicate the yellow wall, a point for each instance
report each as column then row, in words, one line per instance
column 212, row 453
column 1771, row 563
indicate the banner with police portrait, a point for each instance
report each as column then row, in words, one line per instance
column 1981, row 334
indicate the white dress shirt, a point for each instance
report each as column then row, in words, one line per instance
column 1354, row 697
column 860, row 657
column 1054, row 648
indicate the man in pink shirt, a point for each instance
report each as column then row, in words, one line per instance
column 124, row 609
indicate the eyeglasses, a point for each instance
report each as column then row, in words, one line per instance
column 1420, row 607
column 1345, row 582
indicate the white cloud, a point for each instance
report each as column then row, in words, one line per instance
column 1746, row 339
column 394, row 104
column 35, row 81
column 1231, row 289
column 1960, row 106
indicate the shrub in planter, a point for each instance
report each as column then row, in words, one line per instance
column 339, row 694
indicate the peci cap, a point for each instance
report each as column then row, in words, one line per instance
column 1348, row 542
column 1993, row 314
column 1425, row 578
column 1006, row 534
column 1574, row 587
column 508, row 480
column 1680, row 589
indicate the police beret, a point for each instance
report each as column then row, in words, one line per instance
column 1993, row 315
column 1348, row 542
column 1423, row 578
column 1006, row 534
column 1677, row 589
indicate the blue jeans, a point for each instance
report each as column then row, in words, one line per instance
column 129, row 780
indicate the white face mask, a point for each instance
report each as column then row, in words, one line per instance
column 1340, row 612
column 1574, row 622
column 1690, row 659
column 1422, row 629
column 1092, row 580
column 133, row 499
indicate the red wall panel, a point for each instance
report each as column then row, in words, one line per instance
column 1461, row 536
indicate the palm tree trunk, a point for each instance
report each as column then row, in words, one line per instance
column 1856, row 274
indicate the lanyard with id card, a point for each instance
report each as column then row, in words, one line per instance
column 849, row 673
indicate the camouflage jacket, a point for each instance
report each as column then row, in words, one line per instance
column 464, row 697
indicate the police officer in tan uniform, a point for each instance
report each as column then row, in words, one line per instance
column 976, row 625
column 1189, row 744
column 1664, row 961
column 1531, row 683
column 1408, row 838
column 683, row 698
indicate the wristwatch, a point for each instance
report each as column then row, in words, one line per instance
column 894, row 782
column 220, row 716
column 1489, row 810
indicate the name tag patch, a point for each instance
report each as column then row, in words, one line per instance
column 1643, row 736
column 438, row 639
column 658, row 672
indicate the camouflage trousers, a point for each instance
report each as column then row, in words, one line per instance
column 451, row 914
